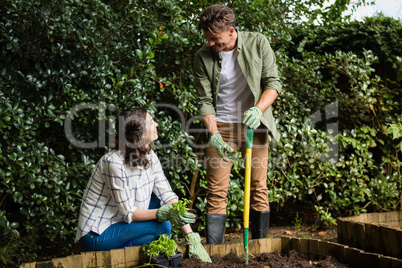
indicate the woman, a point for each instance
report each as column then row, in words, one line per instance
column 121, row 205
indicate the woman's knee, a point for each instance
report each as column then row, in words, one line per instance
column 165, row 228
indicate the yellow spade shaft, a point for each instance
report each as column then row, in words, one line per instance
column 247, row 183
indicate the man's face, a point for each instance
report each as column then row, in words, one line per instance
column 221, row 40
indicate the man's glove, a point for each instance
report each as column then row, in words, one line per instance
column 252, row 117
column 166, row 213
column 195, row 247
column 222, row 148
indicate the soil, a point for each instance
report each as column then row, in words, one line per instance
column 264, row 260
column 282, row 223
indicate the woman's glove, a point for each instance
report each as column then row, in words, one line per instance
column 222, row 148
column 252, row 117
column 195, row 247
column 166, row 213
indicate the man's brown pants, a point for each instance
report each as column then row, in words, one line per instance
column 218, row 171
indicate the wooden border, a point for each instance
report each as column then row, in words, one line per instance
column 373, row 232
column 310, row 248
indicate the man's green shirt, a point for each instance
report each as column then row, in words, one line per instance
column 258, row 64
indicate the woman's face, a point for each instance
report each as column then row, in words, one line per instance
column 151, row 133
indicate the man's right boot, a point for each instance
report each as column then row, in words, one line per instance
column 215, row 228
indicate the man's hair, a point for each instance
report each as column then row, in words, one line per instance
column 216, row 18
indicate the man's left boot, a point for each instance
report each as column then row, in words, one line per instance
column 259, row 224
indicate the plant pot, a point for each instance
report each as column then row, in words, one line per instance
column 163, row 260
column 175, row 260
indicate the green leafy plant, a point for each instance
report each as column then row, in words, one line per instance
column 181, row 206
column 396, row 131
column 163, row 246
column 297, row 222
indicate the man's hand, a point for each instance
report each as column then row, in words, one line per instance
column 195, row 247
column 166, row 213
column 222, row 148
column 252, row 117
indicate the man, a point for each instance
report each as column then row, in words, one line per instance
column 237, row 81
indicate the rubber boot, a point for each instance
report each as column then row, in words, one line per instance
column 259, row 224
column 215, row 228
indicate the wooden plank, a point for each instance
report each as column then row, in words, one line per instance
column 361, row 235
column 353, row 257
column 88, row 259
column 254, row 247
column 209, row 249
column 265, row 245
column 276, row 245
column 295, row 243
column 219, row 250
column 323, row 249
column 373, row 239
column 314, row 251
column 369, row 259
column 373, row 218
column 382, row 218
column 400, row 219
column 363, row 218
column 60, row 263
column 117, row 258
column 340, row 228
column 133, row 256
column 390, row 262
column 182, row 249
column 304, row 247
column 392, row 219
column 337, row 251
column 390, row 241
column 351, row 235
column 29, row 265
column 103, row 258
column 237, row 249
column 396, row 263
column 74, row 261
column 44, row 264
column 399, row 236
column 286, row 245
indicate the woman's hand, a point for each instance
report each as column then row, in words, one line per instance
column 166, row 213
column 195, row 247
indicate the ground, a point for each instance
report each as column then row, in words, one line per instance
column 264, row 260
column 291, row 220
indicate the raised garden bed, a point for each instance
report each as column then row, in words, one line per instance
column 367, row 240
column 312, row 249
column 373, row 232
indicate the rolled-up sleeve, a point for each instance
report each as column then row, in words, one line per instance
column 117, row 181
column 162, row 188
column 269, row 72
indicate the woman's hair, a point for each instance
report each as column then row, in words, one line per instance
column 216, row 18
column 130, row 137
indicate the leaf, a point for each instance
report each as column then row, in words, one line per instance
column 139, row 53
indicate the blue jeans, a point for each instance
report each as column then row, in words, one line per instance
column 120, row 235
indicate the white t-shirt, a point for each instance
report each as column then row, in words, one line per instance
column 234, row 96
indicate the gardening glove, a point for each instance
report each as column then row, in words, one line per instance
column 252, row 117
column 195, row 248
column 222, row 148
column 166, row 213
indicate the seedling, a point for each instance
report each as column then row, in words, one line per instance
column 163, row 246
column 297, row 222
column 181, row 206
